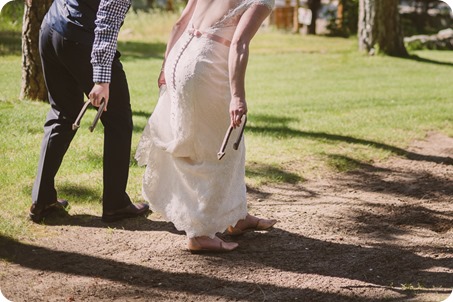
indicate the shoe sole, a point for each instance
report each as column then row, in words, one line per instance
column 118, row 217
column 62, row 205
column 209, row 251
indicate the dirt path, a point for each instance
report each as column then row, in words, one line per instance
column 382, row 233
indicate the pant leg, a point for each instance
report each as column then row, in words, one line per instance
column 66, row 99
column 118, row 127
column 117, row 121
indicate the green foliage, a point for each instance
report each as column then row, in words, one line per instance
column 11, row 15
column 350, row 20
column 11, row 28
column 412, row 287
column 424, row 24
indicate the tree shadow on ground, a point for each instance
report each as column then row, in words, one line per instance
column 132, row 275
column 380, row 264
column 141, row 50
column 77, row 193
column 391, row 218
column 415, row 191
column 408, row 183
column 343, row 163
column 271, row 174
column 283, row 131
column 10, row 43
column 284, row 251
column 428, row 61
column 142, row 113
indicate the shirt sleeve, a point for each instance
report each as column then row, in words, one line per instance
column 109, row 18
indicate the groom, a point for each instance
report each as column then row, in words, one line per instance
column 77, row 44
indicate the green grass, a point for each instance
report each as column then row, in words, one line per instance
column 316, row 105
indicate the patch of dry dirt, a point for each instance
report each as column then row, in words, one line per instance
column 381, row 233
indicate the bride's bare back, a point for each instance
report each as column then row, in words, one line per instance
column 210, row 12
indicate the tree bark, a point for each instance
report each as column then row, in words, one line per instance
column 366, row 30
column 314, row 6
column 379, row 25
column 150, row 3
column 296, row 25
column 388, row 26
column 170, row 5
column 33, row 86
column 340, row 15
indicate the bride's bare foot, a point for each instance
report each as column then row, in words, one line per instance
column 251, row 223
column 204, row 244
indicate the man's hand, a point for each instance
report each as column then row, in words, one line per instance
column 98, row 92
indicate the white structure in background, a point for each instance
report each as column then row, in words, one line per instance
column 305, row 14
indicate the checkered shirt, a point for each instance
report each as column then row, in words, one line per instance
column 109, row 19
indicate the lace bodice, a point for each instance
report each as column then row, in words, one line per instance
column 227, row 14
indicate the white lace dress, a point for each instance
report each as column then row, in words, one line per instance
column 184, row 181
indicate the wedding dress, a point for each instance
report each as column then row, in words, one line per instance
column 184, row 181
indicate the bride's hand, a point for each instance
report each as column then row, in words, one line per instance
column 238, row 108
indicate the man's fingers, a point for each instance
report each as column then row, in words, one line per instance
column 99, row 92
column 96, row 101
column 106, row 104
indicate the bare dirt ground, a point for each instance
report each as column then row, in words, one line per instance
column 380, row 233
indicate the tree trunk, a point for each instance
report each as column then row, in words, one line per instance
column 340, row 15
column 150, row 3
column 366, row 29
column 390, row 36
column 379, row 24
column 314, row 6
column 170, row 5
column 296, row 25
column 33, row 86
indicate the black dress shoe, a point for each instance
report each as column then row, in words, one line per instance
column 132, row 210
column 39, row 211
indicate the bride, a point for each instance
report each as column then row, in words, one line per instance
column 202, row 93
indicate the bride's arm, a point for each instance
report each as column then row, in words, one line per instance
column 247, row 27
column 177, row 30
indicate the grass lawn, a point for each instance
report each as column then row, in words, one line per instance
column 316, row 106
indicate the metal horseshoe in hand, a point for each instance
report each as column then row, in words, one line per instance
column 221, row 153
column 101, row 108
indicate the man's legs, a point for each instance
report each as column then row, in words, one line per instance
column 66, row 99
column 68, row 72
column 117, row 121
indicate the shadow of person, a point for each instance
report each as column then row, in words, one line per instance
column 140, row 223
column 150, row 282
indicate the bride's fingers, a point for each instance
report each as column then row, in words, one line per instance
column 238, row 119
column 235, row 120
